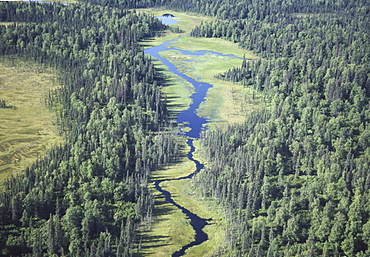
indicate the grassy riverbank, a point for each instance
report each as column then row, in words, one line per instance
column 171, row 230
column 177, row 90
column 226, row 103
column 27, row 126
column 185, row 196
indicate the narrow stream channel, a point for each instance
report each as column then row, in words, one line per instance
column 196, row 123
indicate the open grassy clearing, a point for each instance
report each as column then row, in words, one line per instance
column 177, row 90
column 313, row 15
column 207, row 208
column 6, row 24
column 201, row 67
column 212, row 44
column 228, row 103
column 184, row 195
column 27, row 130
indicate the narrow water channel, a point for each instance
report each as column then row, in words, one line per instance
column 196, row 124
column 195, row 221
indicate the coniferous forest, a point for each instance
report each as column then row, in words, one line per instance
column 293, row 179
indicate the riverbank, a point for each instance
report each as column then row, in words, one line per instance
column 226, row 102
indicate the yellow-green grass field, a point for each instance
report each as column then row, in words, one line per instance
column 28, row 130
column 176, row 89
column 6, row 24
column 185, row 196
column 170, row 229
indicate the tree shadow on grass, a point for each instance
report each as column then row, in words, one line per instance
column 149, row 242
column 160, row 210
column 145, row 42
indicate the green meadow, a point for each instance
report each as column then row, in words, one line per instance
column 225, row 103
column 176, row 89
column 27, row 126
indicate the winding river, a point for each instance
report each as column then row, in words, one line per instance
column 196, row 124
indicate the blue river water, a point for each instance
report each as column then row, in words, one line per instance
column 196, row 123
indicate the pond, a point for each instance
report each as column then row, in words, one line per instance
column 167, row 19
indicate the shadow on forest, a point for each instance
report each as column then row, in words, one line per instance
column 171, row 99
column 174, row 113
